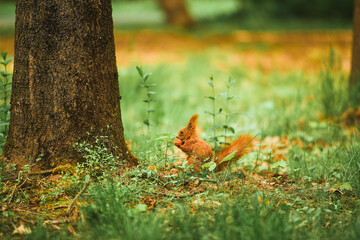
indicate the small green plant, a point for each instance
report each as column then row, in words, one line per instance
column 100, row 161
column 149, row 97
column 228, row 97
column 163, row 144
column 211, row 166
column 213, row 113
column 5, row 92
column 226, row 126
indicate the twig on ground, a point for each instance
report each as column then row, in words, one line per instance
column 60, row 206
column 61, row 168
column 171, row 194
column 77, row 196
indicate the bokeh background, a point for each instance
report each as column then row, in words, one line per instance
column 273, row 48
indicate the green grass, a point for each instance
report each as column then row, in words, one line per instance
column 249, row 215
column 242, row 218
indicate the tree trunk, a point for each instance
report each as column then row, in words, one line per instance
column 176, row 12
column 65, row 81
column 355, row 63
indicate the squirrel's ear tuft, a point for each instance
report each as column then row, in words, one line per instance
column 194, row 118
column 192, row 121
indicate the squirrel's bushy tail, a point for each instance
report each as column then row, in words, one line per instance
column 241, row 145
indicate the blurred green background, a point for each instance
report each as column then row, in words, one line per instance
column 221, row 15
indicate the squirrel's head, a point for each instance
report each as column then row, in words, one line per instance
column 189, row 131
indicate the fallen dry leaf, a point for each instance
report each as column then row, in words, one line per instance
column 72, row 230
column 22, row 230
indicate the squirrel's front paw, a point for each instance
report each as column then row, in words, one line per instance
column 178, row 142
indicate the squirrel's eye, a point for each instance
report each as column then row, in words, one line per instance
column 182, row 132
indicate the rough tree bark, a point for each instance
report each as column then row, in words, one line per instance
column 65, row 81
column 176, row 12
column 355, row 62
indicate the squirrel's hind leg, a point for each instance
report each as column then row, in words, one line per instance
column 195, row 163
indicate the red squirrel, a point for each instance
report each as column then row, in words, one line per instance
column 199, row 152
